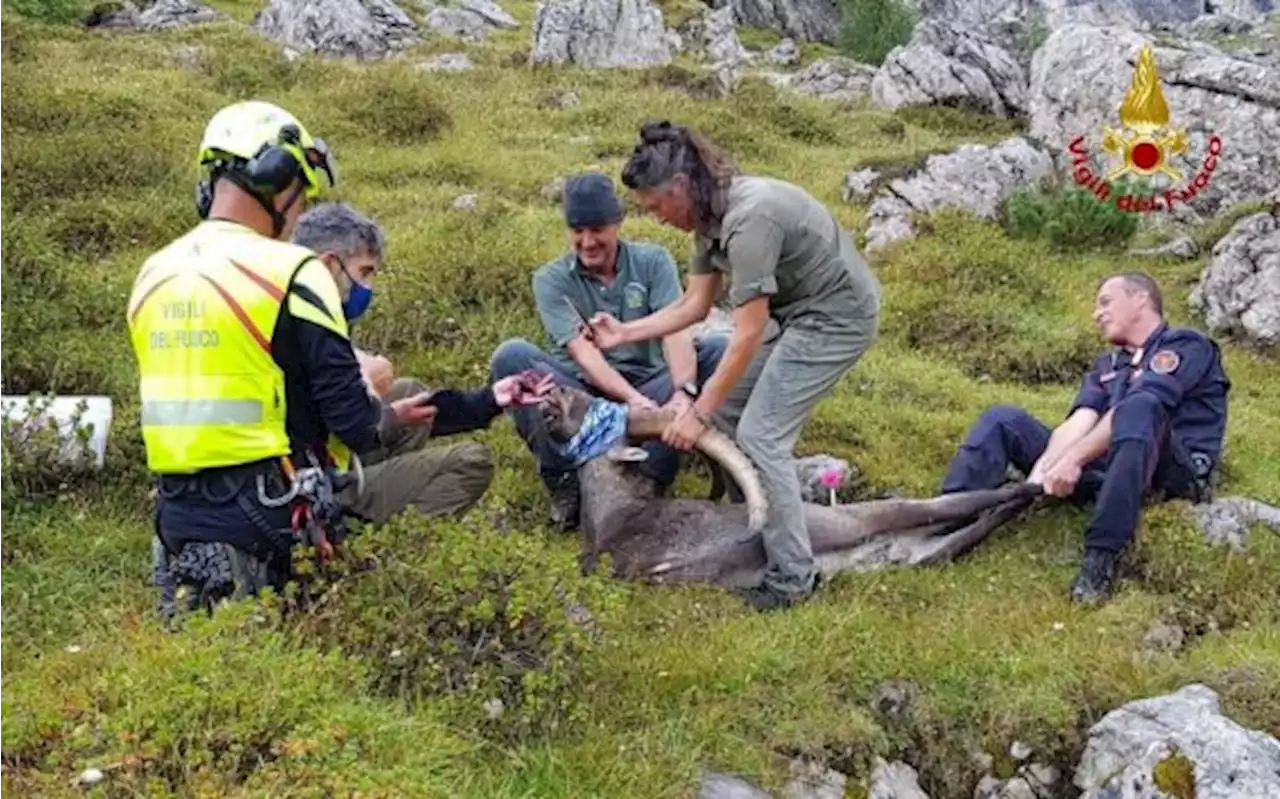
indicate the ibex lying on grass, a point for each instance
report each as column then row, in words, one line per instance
column 693, row 540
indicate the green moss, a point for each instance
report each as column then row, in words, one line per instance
column 1176, row 776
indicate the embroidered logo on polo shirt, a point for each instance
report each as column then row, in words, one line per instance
column 1164, row 362
column 634, row 295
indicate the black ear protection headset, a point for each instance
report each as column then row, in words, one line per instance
column 266, row 174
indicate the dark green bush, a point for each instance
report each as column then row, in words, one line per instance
column 39, row 458
column 869, row 29
column 394, row 103
column 501, row 629
column 55, row 12
column 1069, row 218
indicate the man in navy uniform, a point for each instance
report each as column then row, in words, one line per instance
column 1150, row 415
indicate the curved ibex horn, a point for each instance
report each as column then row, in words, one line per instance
column 719, row 448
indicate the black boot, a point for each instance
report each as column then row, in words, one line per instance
column 1096, row 581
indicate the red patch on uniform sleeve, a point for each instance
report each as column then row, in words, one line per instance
column 1164, row 362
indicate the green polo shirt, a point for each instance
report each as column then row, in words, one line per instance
column 776, row 240
column 646, row 281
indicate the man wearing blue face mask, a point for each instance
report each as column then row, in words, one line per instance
column 402, row 470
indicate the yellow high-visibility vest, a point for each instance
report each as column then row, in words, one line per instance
column 201, row 318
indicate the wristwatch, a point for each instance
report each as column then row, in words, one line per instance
column 690, row 388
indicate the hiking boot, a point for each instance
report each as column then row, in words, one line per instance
column 565, row 500
column 1096, row 581
column 764, row 597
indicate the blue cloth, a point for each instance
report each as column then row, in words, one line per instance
column 604, row 427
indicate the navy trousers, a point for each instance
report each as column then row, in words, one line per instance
column 1142, row 455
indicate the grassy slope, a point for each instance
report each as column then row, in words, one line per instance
column 99, row 132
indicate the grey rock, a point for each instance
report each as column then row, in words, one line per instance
column 360, row 29
column 811, row 468
column 1227, row 520
column 893, row 699
column 466, row 202
column 553, row 190
column 1013, row 788
column 1127, row 744
column 160, row 15
column 1019, row 750
column 974, row 177
column 812, row 780
column 1183, row 247
column 859, row 185
column 950, row 65
column 469, row 19
column 1079, row 79
column 1042, row 778
column 894, row 780
column 727, row 786
column 1239, row 291
column 833, row 79
column 601, row 34
column 785, row 53
column 446, row 62
column 720, row 37
column 807, row 20
column 1163, row 636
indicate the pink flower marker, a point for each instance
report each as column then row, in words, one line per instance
column 832, row 479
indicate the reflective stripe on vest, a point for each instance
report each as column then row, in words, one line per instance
column 201, row 317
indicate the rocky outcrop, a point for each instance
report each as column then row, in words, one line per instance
column 808, row 20
column 1178, row 738
column 1020, row 25
column 975, row 177
column 946, row 64
column 720, row 37
column 361, row 29
column 161, row 15
column 894, row 780
column 1239, row 291
column 600, row 33
column 784, row 54
column 1080, row 78
column 830, row 79
column 469, row 19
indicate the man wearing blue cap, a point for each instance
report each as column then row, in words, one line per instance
column 605, row 274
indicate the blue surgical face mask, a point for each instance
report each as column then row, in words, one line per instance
column 358, row 300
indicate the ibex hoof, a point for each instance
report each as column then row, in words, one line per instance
column 627, row 455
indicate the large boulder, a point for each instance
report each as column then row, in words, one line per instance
column 161, row 15
column 361, row 29
column 830, row 79
column 600, row 33
column 469, row 19
column 1082, row 74
column 1239, row 291
column 976, row 178
column 808, row 20
column 947, row 64
column 1174, row 739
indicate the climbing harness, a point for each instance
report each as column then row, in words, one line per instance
column 318, row 519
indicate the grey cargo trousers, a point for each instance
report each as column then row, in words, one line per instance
column 795, row 367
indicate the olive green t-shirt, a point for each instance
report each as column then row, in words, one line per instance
column 645, row 283
column 776, row 240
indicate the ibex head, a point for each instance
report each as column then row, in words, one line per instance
column 564, row 412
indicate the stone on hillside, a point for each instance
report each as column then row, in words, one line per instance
column 949, row 65
column 1239, row 291
column 785, row 53
column 808, row 20
column 469, row 19
column 1183, row 247
column 466, row 202
column 833, row 79
column 974, row 177
column 727, row 786
column 1079, row 80
column 600, row 33
column 447, row 62
column 1227, row 520
column 1020, row 24
column 813, row 780
column 894, row 780
column 721, row 37
column 859, row 185
column 161, row 15
column 361, row 29
column 1185, row 736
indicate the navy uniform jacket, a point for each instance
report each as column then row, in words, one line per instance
column 1180, row 367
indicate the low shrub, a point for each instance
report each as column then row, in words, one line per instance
column 500, row 629
column 53, row 12
column 869, row 29
column 40, row 456
column 1069, row 218
column 394, row 103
